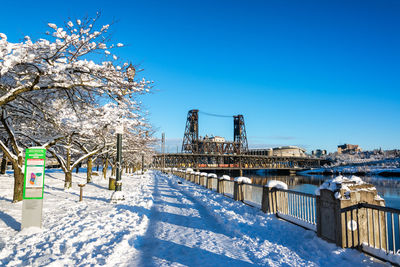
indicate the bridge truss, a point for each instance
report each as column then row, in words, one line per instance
column 224, row 161
column 193, row 144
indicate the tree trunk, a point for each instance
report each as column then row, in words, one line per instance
column 77, row 168
column 68, row 180
column 97, row 166
column 18, row 180
column 105, row 167
column 3, row 167
column 68, row 172
column 114, row 170
column 89, row 169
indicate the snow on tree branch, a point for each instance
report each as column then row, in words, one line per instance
column 62, row 62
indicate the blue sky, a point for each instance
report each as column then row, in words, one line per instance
column 310, row 73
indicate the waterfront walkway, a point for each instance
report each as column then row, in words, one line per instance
column 192, row 226
column 164, row 221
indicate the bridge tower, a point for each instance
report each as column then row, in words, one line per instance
column 239, row 133
column 191, row 137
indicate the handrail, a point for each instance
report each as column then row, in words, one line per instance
column 255, row 185
column 387, row 209
column 295, row 192
column 370, row 206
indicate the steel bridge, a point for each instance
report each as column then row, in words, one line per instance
column 212, row 154
column 233, row 162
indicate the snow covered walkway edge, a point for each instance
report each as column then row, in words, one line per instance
column 164, row 221
column 271, row 241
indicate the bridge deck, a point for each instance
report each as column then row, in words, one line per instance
column 232, row 161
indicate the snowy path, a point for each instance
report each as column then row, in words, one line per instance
column 93, row 232
column 164, row 221
column 181, row 231
column 193, row 226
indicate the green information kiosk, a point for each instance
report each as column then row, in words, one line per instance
column 32, row 206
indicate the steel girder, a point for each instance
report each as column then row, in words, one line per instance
column 199, row 161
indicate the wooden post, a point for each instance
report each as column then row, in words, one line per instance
column 265, row 200
column 237, row 191
column 81, row 191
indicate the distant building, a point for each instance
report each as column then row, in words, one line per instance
column 217, row 139
column 283, row 151
column 318, row 153
column 347, row 148
column 260, row 152
column 289, row 151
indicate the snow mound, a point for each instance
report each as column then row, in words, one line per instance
column 242, row 179
column 338, row 183
column 225, row 177
column 117, row 197
column 189, row 170
column 203, row 174
column 212, row 175
column 276, row 184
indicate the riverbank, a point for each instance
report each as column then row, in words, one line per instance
column 354, row 170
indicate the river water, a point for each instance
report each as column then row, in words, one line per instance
column 388, row 188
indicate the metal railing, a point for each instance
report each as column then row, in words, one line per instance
column 252, row 194
column 228, row 188
column 296, row 207
column 380, row 226
column 203, row 180
column 370, row 228
column 214, row 183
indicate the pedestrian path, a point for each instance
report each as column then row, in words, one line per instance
column 189, row 225
column 182, row 232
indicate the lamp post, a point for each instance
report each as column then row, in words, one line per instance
column 118, row 181
column 118, row 195
column 142, row 163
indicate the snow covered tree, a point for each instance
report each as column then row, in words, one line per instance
column 74, row 65
column 62, row 62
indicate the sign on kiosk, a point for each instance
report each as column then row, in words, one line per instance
column 34, row 173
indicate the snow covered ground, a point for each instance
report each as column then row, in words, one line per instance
column 162, row 222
